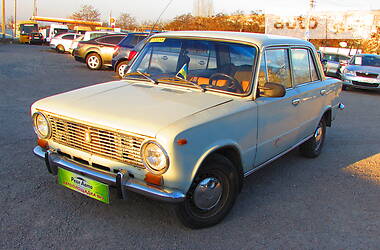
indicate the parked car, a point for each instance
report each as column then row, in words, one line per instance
column 98, row 52
column 88, row 35
column 61, row 43
column 126, row 50
column 195, row 114
column 362, row 71
column 332, row 62
column 36, row 38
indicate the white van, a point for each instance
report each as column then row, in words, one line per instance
column 56, row 29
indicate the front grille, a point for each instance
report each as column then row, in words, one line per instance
column 365, row 84
column 122, row 147
column 369, row 75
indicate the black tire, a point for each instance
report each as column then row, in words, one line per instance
column 216, row 167
column 120, row 68
column 60, row 49
column 344, row 87
column 313, row 147
column 94, row 61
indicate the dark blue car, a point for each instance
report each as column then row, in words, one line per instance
column 126, row 50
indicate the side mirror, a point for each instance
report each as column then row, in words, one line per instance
column 271, row 89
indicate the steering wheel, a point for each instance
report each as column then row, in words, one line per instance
column 234, row 83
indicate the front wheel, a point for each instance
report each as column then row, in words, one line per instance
column 211, row 195
column 313, row 147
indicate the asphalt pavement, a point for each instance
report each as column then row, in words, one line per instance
column 331, row 202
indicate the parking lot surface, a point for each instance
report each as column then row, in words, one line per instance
column 331, row 202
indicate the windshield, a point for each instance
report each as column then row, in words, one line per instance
column 367, row 60
column 28, row 28
column 205, row 64
column 59, row 31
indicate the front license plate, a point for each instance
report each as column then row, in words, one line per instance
column 83, row 185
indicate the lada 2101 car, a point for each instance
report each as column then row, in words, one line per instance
column 195, row 114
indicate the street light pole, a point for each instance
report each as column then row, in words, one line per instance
column 3, row 19
column 307, row 30
column 14, row 20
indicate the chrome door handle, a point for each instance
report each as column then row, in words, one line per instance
column 323, row 92
column 296, row 101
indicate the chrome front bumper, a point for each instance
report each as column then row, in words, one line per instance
column 121, row 180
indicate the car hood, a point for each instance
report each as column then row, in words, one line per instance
column 369, row 69
column 130, row 106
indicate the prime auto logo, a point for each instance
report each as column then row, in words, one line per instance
column 81, row 182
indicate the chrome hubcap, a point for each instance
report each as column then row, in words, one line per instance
column 93, row 61
column 207, row 193
column 318, row 137
column 121, row 70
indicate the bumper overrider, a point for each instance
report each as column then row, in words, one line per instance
column 121, row 181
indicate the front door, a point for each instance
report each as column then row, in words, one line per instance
column 278, row 126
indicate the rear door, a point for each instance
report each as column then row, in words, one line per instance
column 312, row 90
column 67, row 40
column 278, row 126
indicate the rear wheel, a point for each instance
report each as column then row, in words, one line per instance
column 121, row 68
column 313, row 147
column 94, row 61
column 211, row 195
column 60, row 49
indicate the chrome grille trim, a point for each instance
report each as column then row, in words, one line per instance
column 122, row 147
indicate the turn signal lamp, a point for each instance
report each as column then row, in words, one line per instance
column 154, row 179
column 43, row 143
column 182, row 142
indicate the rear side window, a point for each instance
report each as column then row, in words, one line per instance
column 68, row 37
column 303, row 67
column 110, row 39
column 277, row 67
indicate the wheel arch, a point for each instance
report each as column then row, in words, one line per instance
column 229, row 151
column 327, row 115
column 90, row 51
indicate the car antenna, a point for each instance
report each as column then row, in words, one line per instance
column 154, row 25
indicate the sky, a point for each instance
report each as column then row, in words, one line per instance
column 150, row 9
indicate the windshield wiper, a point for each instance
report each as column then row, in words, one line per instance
column 141, row 74
column 187, row 81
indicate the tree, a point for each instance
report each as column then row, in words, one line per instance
column 88, row 13
column 126, row 21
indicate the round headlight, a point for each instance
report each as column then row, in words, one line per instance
column 154, row 157
column 41, row 125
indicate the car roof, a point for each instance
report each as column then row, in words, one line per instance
column 333, row 53
column 261, row 40
column 367, row 55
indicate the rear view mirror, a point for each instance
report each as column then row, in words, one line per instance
column 271, row 89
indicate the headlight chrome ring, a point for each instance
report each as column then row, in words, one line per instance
column 150, row 158
column 38, row 120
